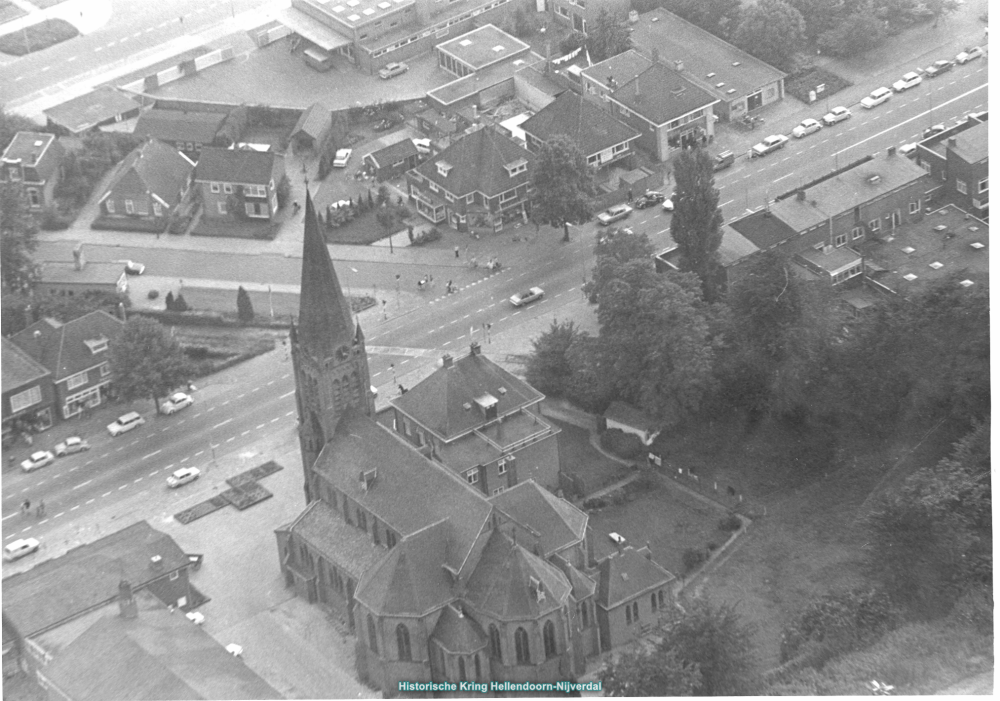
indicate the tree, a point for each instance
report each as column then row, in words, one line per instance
column 244, row 307
column 147, row 362
column 283, row 191
column 385, row 220
column 18, row 240
column 722, row 647
column 941, row 8
column 383, row 195
column 607, row 36
column 169, row 301
column 719, row 17
column 859, row 32
column 614, row 247
column 548, row 368
column 697, row 220
column 658, row 673
column 819, row 15
column 773, row 31
column 572, row 42
column 11, row 123
column 180, row 304
column 563, row 185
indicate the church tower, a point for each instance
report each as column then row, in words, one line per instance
column 328, row 352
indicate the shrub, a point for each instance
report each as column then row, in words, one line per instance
column 624, row 445
column 180, row 304
column 730, row 523
column 573, row 42
column 283, row 191
column 712, row 547
column 153, row 294
column 53, row 221
column 169, row 301
column 692, row 558
column 179, row 224
column 432, row 234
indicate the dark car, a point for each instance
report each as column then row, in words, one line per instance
column 384, row 124
column 939, row 67
column 649, row 199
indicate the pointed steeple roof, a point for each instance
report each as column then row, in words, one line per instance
column 324, row 315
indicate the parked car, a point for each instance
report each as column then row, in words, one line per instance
column 385, row 124
column 183, row 476
column 522, row 298
column 391, row 70
column 806, row 127
column 908, row 150
column 125, row 422
column 613, row 214
column 768, row 145
column 195, row 617
column 837, row 114
column 19, row 548
column 668, row 204
column 909, row 80
column 341, row 158
column 71, row 445
column 38, row 460
column 938, row 67
column 422, row 145
column 970, row 54
column 876, row 98
column 724, row 160
column 133, row 268
column 650, row 198
column 932, row 130
column 175, row 402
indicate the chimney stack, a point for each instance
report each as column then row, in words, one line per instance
column 952, row 142
column 475, row 348
column 127, row 607
column 446, row 360
column 891, row 151
column 678, row 66
column 78, row 260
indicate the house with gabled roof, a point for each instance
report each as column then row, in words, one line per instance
column 312, row 127
column 438, row 581
column 239, row 184
column 28, row 394
column 393, row 160
column 188, row 132
column 633, row 593
column 481, row 179
column 77, row 354
column 32, row 161
column 958, row 161
column 146, row 189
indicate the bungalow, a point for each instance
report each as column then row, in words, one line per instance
column 32, row 160
column 28, row 394
column 146, row 188
column 188, row 132
column 70, row 279
column 239, row 180
column 101, row 107
column 393, row 160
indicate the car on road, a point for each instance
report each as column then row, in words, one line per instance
column 20, row 548
column 668, row 204
column 650, row 198
column 613, row 214
column 124, row 423
column 341, row 158
column 175, row 402
column 768, row 145
column 133, row 268
column 970, row 54
column 908, row 150
column 932, row 130
column 724, row 160
column 876, row 98
column 837, row 114
column 38, row 460
column 909, row 80
column 73, row 444
column 938, row 67
column 806, row 127
column 391, row 70
column 522, row 298
column 183, row 476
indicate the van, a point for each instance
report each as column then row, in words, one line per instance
column 724, row 160
column 318, row 60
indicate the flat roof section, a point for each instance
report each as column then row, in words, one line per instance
column 483, row 47
column 81, row 113
column 312, row 29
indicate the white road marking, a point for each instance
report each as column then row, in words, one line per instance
column 89, row 501
column 255, row 389
column 247, row 431
column 199, row 453
column 137, row 480
column 270, row 383
column 222, row 424
column 260, row 426
column 276, row 418
column 231, row 438
column 151, row 454
column 83, row 484
column 105, row 494
column 287, row 394
column 75, row 507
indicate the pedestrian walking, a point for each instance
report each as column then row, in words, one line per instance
column 456, row 251
column 26, row 506
column 40, row 511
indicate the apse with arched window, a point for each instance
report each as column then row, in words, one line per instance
column 461, row 669
column 479, row 668
column 372, row 637
column 496, row 651
column 549, row 638
column 521, row 649
column 403, row 643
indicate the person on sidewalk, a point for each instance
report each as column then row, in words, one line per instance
column 456, row 251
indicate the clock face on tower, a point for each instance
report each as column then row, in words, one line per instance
column 343, row 352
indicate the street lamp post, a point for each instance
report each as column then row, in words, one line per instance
column 397, row 291
column 270, row 302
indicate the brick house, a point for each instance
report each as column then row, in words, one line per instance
column 482, row 177
column 244, row 178
column 79, row 277
column 28, row 393
column 103, row 106
column 634, row 594
column 958, row 162
column 188, row 132
column 393, row 160
column 578, row 13
column 77, row 354
column 146, row 188
column 32, row 159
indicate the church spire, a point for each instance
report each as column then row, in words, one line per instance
column 325, row 322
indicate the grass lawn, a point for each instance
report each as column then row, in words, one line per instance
column 363, row 229
column 799, row 84
column 37, row 37
column 578, row 456
column 9, row 11
column 213, row 349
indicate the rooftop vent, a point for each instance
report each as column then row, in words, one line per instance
column 736, row 63
column 368, row 479
column 156, row 562
column 625, row 576
column 910, row 277
column 503, row 390
column 498, row 48
column 467, row 406
column 872, row 179
column 966, row 283
column 977, row 245
column 465, row 42
column 730, row 91
column 940, row 227
column 908, row 250
column 936, row 265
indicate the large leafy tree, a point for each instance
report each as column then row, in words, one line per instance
column 773, row 31
column 861, row 31
column 548, row 368
column 657, row 673
column 607, row 35
column 563, row 185
column 697, row 220
column 11, row 123
column 147, row 362
column 18, row 240
column 244, row 307
column 719, row 17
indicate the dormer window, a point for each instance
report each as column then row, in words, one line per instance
column 97, row 345
column 517, row 167
column 444, row 168
column 487, row 403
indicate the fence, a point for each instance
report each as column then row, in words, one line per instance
column 185, row 68
column 724, row 493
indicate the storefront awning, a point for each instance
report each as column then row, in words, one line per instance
column 312, row 29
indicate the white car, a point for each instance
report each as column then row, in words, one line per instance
column 391, row 70
column 133, row 268
column 806, row 127
column 522, row 298
column 668, row 204
column 342, row 157
column 37, row 460
column 837, row 114
column 768, row 145
column 71, row 445
column 876, row 98
column 175, row 402
column 422, row 145
column 20, row 548
column 183, row 476
column 969, row 54
column 908, row 149
column 910, row 80
column 195, row 617
column 613, row 214
column 125, row 422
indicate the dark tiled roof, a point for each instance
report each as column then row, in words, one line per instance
column 559, row 522
column 438, row 402
column 501, row 584
column 627, row 574
column 61, row 347
column 156, row 167
column 57, row 589
column 157, row 655
column 587, row 125
column 458, row 634
column 763, row 229
column 313, row 122
column 466, row 452
column 629, row 415
column 18, row 369
column 175, row 125
column 410, row 492
column 410, row 579
column 235, row 166
column 477, row 162
column 394, row 153
column 660, row 94
column 348, row 546
column 324, row 315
